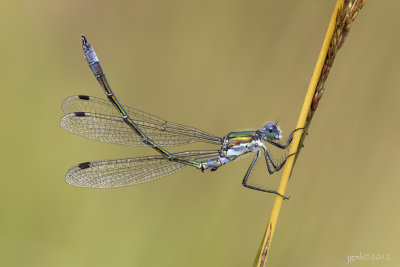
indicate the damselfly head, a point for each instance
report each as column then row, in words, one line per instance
column 271, row 131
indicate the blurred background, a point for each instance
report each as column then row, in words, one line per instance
column 220, row 66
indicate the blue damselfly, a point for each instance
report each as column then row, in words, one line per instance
column 111, row 122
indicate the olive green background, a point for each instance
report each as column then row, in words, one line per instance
column 220, row 66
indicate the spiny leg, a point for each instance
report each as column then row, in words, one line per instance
column 276, row 167
column 268, row 156
column 246, row 177
column 288, row 141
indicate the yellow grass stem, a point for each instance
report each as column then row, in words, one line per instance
column 344, row 13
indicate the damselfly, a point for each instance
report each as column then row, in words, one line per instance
column 109, row 121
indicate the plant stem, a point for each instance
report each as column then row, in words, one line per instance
column 343, row 15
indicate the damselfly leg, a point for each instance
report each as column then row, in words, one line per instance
column 246, row 177
column 288, row 141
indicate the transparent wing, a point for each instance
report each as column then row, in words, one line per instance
column 98, row 119
column 130, row 171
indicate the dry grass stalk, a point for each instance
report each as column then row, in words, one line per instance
column 344, row 14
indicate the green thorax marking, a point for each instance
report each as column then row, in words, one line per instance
column 236, row 138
